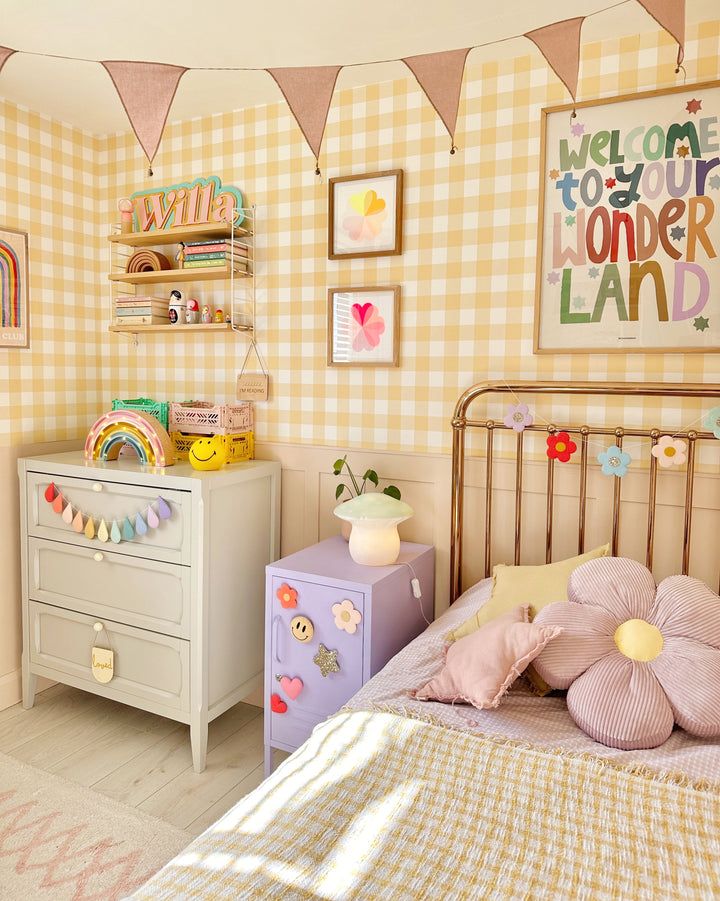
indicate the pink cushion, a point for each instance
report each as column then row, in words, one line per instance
column 481, row 667
column 624, row 701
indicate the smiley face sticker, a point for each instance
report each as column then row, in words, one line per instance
column 301, row 629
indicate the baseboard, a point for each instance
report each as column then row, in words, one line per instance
column 11, row 688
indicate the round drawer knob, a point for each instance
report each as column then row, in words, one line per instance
column 98, row 557
column 97, row 486
column 98, row 627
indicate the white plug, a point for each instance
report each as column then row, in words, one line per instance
column 416, row 588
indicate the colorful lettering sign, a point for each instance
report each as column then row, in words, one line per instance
column 205, row 200
column 630, row 228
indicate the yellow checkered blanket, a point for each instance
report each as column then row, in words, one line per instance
column 375, row 805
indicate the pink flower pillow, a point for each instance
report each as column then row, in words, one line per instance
column 635, row 658
column 480, row 667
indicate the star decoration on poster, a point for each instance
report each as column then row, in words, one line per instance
column 578, row 303
column 714, row 182
column 610, row 182
column 553, row 278
column 677, row 232
column 700, row 323
column 569, row 220
column 693, row 106
column 577, row 129
column 326, row 661
column 683, row 151
column 593, row 272
column 554, row 173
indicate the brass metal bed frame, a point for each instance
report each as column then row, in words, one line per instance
column 462, row 423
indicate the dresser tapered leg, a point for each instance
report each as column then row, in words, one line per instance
column 29, row 684
column 199, row 741
column 268, row 760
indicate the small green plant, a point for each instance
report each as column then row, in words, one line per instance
column 357, row 489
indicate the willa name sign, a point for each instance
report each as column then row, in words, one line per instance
column 629, row 228
column 199, row 202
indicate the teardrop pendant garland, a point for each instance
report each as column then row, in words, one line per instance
column 126, row 529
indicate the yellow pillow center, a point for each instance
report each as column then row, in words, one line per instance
column 670, row 451
column 638, row 640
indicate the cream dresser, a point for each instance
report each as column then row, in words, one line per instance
column 181, row 606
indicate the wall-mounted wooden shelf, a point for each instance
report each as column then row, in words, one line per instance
column 201, row 274
column 178, row 328
column 177, row 235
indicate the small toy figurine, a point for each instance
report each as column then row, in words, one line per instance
column 228, row 319
column 208, row 453
column 206, row 314
column 126, row 215
column 180, row 255
column 192, row 316
column 177, row 307
column 219, row 315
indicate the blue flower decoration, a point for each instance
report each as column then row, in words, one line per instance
column 712, row 421
column 614, row 462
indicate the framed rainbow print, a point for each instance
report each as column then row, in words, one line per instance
column 14, row 330
column 629, row 224
column 365, row 215
column 364, row 326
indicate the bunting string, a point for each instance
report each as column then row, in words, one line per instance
column 147, row 89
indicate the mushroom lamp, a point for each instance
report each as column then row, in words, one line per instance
column 374, row 539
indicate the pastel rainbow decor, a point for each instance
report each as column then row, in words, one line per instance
column 10, row 287
column 145, row 434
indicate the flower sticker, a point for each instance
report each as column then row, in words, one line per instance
column 367, row 326
column 518, row 417
column 560, row 447
column 287, row 596
column 670, row 452
column 712, row 421
column 346, row 616
column 614, row 462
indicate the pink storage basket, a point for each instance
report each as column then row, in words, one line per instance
column 203, row 418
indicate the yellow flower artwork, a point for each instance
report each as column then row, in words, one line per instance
column 367, row 216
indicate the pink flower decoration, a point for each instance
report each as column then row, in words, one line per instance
column 368, row 326
column 518, row 417
column 634, row 657
column 670, row 452
column 346, row 616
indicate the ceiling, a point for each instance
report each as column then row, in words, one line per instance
column 271, row 33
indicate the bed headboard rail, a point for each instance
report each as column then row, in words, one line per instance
column 462, row 423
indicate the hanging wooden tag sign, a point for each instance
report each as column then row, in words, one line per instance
column 103, row 664
column 253, row 385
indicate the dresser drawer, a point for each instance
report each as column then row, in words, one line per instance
column 148, row 594
column 149, row 668
column 320, row 695
column 112, row 501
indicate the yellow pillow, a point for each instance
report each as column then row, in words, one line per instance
column 533, row 585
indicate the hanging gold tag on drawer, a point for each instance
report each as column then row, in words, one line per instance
column 102, row 664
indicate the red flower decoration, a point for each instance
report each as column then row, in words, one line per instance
column 610, row 182
column 560, row 446
column 287, row 596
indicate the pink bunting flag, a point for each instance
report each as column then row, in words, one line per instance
column 440, row 76
column 147, row 91
column 308, row 91
column 5, row 54
column 559, row 43
column 670, row 15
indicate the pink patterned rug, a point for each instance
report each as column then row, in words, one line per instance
column 62, row 841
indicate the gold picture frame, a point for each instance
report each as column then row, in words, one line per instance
column 14, row 269
column 365, row 214
column 363, row 326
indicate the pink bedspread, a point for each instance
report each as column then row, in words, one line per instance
column 522, row 715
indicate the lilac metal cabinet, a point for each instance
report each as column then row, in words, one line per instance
column 308, row 584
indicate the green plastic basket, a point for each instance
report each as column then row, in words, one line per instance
column 157, row 408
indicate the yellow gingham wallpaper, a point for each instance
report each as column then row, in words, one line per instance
column 48, row 182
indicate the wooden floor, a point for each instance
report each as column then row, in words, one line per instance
column 138, row 758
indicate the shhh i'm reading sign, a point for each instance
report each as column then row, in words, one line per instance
column 629, row 227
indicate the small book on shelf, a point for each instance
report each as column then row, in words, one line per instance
column 240, row 250
column 238, row 265
column 142, row 320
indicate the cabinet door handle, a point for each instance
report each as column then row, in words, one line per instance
column 276, row 638
column 97, row 486
column 98, row 557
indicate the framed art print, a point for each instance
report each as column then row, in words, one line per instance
column 629, row 224
column 364, row 326
column 365, row 215
column 13, row 288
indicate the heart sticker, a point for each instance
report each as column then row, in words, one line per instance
column 277, row 705
column 291, row 687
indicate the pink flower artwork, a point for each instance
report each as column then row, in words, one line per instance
column 368, row 215
column 367, row 326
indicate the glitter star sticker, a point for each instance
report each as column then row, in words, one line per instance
column 677, row 232
column 714, row 181
column 593, row 272
column 692, row 106
column 569, row 220
column 610, row 182
column 577, row 129
column 682, row 151
column 578, row 303
column 554, row 173
column 553, row 278
column 701, row 323
column 327, row 661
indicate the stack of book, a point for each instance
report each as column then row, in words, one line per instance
column 216, row 252
column 141, row 311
